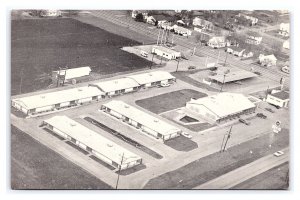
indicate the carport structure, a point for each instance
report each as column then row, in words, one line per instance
column 93, row 142
column 141, row 120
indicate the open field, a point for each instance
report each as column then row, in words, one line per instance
column 217, row 164
column 40, row 46
column 273, row 179
column 32, row 167
column 169, row 101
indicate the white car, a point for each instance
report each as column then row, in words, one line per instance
column 186, row 135
column 278, row 153
column 144, row 54
column 164, row 85
column 286, row 69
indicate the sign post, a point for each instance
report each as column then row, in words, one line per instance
column 276, row 127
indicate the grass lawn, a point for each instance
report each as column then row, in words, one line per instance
column 39, row 46
column 273, row 179
column 34, row 166
column 169, row 101
column 217, row 164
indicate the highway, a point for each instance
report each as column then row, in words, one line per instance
column 246, row 172
column 182, row 41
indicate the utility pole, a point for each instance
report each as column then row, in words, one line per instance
column 161, row 60
column 222, row 83
column 152, row 61
column 177, row 65
column 162, row 36
column 228, row 136
column 218, row 57
column 173, row 38
column 21, row 79
column 158, row 37
column 225, row 59
column 119, row 171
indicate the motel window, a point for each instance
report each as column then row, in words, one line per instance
column 153, row 83
column 126, row 119
column 72, row 102
column 108, row 109
column 159, row 135
column 115, row 164
column 123, row 90
column 89, row 149
column 73, row 140
column 94, row 98
column 57, row 105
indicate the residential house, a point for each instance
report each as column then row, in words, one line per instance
column 217, row 42
column 286, row 44
column 150, row 20
column 181, row 30
column 237, row 51
column 254, row 38
column 284, row 29
column 253, row 20
column 199, row 23
column 269, row 60
column 247, row 54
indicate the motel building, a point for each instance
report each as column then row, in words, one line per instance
column 152, row 79
column 150, row 125
column 117, row 86
column 221, row 107
column 46, row 102
column 93, row 142
column 69, row 75
column 165, row 52
column 279, row 98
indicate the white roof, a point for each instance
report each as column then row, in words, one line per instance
column 141, row 117
column 151, row 77
column 219, row 39
column 47, row 99
column 224, row 104
column 92, row 139
column 75, row 72
column 165, row 49
column 116, row 84
column 269, row 57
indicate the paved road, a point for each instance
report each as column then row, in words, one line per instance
column 246, row 172
column 143, row 28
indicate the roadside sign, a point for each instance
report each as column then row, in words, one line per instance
column 276, row 127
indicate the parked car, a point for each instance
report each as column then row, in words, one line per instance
column 270, row 110
column 186, row 135
column 261, row 115
column 258, row 73
column 163, row 85
column 191, row 67
column 278, row 153
column 144, row 54
column 286, row 69
column 244, row 121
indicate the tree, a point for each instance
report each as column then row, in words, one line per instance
column 139, row 17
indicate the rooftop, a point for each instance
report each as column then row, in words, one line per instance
column 151, row 77
column 165, row 49
column 233, row 75
column 141, row 117
column 283, row 95
column 117, row 84
column 47, row 99
column 92, row 139
column 224, row 104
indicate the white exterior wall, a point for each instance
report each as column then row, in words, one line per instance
column 58, row 132
column 42, row 109
column 114, row 113
column 65, row 104
column 85, row 100
column 164, row 81
column 134, row 123
column 275, row 101
column 111, row 93
column 129, row 90
column 148, row 85
column 101, row 157
column 148, row 130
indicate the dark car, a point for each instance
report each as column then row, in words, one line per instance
column 244, row 121
column 270, row 110
column 191, row 67
column 261, row 115
column 258, row 73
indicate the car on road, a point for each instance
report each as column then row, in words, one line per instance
column 261, row 115
column 191, row 67
column 186, row 135
column 244, row 121
column 270, row 110
column 286, row 69
column 257, row 73
column 163, row 85
column 278, row 153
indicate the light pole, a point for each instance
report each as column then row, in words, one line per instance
column 223, row 83
column 119, row 171
column 177, row 65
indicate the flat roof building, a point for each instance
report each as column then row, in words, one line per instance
column 153, row 78
column 165, row 52
column 51, row 101
column 279, row 98
column 221, row 107
column 141, row 120
column 117, row 86
column 101, row 147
